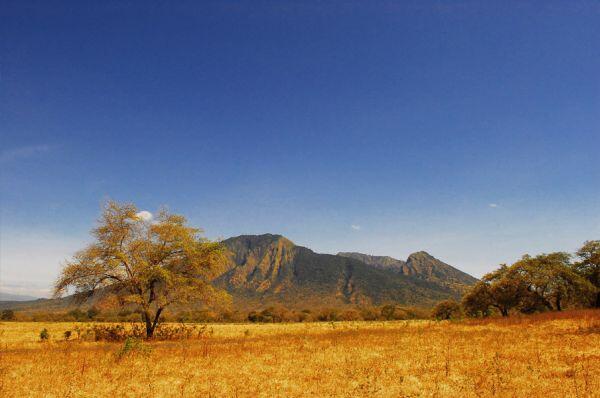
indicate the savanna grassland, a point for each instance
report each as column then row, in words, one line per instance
column 548, row 355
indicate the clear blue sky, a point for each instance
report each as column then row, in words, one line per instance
column 468, row 129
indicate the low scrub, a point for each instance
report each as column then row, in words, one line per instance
column 122, row 332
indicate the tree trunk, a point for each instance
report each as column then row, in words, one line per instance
column 504, row 311
column 558, row 305
column 598, row 299
column 156, row 319
column 149, row 325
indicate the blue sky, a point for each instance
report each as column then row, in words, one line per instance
column 468, row 129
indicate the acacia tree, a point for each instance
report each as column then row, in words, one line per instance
column 588, row 266
column 552, row 279
column 477, row 301
column 151, row 264
column 502, row 289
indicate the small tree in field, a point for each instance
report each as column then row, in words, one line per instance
column 151, row 264
column 447, row 309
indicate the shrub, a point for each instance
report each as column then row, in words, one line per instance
column 447, row 309
column 44, row 335
column 7, row 315
column 121, row 332
column 133, row 345
column 77, row 315
column 93, row 312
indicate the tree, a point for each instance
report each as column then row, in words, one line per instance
column 151, row 264
column 502, row 289
column 7, row 315
column 447, row 309
column 477, row 300
column 553, row 279
column 92, row 312
column 589, row 266
column 506, row 289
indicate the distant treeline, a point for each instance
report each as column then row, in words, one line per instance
column 547, row 282
column 271, row 314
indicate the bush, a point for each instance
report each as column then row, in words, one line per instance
column 77, row 315
column 93, row 312
column 121, row 332
column 7, row 315
column 447, row 309
column 44, row 335
column 133, row 345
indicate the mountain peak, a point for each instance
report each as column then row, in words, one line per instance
column 419, row 265
column 258, row 240
column 420, row 254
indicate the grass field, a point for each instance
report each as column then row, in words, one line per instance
column 550, row 355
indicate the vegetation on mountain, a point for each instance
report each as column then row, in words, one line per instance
column 265, row 270
column 420, row 265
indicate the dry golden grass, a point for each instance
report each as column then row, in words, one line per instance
column 540, row 356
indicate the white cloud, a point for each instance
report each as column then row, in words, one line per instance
column 10, row 155
column 144, row 215
column 493, row 205
column 355, row 227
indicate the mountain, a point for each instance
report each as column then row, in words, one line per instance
column 263, row 270
column 268, row 269
column 420, row 265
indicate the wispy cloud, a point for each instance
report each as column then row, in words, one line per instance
column 355, row 227
column 493, row 205
column 24, row 152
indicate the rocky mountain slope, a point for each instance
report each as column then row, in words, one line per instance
column 420, row 265
column 267, row 269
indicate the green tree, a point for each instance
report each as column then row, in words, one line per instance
column 553, row 279
column 447, row 309
column 151, row 264
column 503, row 289
column 7, row 315
column 506, row 289
column 477, row 300
column 588, row 266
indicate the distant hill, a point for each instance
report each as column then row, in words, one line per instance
column 15, row 297
column 269, row 269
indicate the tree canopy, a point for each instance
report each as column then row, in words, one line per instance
column 544, row 282
column 588, row 265
column 148, row 263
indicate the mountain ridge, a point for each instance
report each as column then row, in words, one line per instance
column 269, row 268
column 421, row 265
